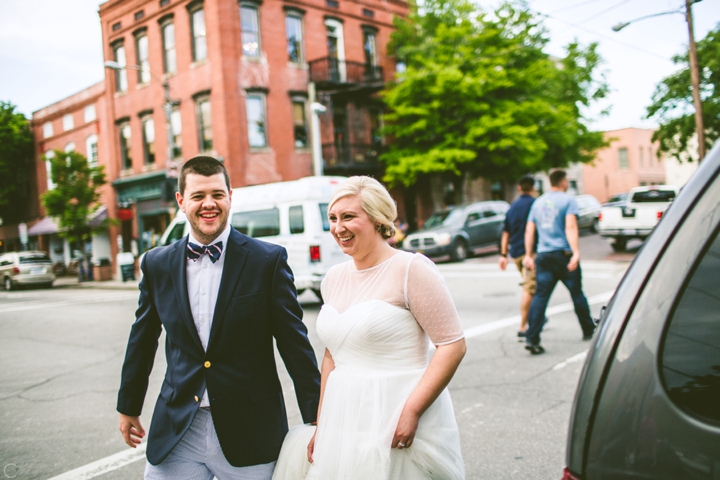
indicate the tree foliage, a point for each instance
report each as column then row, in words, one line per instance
column 75, row 195
column 16, row 166
column 479, row 96
column 672, row 102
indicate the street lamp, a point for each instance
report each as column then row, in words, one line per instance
column 694, row 69
column 171, row 167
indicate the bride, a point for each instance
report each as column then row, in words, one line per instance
column 385, row 412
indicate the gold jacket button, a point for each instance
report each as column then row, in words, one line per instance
column 207, row 364
column 196, row 398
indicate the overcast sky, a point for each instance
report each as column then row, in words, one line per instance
column 50, row 49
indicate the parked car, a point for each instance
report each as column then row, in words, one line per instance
column 637, row 217
column 26, row 268
column 648, row 400
column 460, row 231
column 616, row 200
column 589, row 208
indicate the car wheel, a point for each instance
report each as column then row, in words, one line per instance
column 317, row 293
column 619, row 245
column 595, row 226
column 459, row 251
column 8, row 284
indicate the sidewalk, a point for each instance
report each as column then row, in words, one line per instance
column 72, row 282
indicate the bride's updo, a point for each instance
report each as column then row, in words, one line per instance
column 375, row 201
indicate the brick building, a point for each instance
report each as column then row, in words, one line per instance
column 630, row 161
column 75, row 123
column 239, row 76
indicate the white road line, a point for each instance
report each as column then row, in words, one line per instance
column 585, row 274
column 514, row 320
column 33, row 306
column 105, row 465
column 575, row 358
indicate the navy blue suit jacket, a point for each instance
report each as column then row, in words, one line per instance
column 256, row 302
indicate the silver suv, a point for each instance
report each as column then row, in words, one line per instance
column 26, row 268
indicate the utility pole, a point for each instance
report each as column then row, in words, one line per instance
column 695, row 80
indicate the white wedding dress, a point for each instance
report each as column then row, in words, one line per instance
column 377, row 324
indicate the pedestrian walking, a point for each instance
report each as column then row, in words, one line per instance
column 553, row 217
column 512, row 241
column 221, row 297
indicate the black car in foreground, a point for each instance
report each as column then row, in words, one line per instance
column 648, row 400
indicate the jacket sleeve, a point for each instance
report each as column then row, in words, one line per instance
column 141, row 349
column 292, row 340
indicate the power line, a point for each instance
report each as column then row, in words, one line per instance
column 623, row 2
column 575, row 6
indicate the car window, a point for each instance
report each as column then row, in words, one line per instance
column 324, row 217
column 489, row 213
column 34, row 258
column 295, row 219
column 691, row 351
column 258, row 223
column 444, row 217
column 653, row 196
column 176, row 233
column 472, row 217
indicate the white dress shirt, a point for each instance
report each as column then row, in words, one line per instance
column 203, row 285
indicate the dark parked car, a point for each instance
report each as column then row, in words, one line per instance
column 589, row 208
column 648, row 399
column 459, row 231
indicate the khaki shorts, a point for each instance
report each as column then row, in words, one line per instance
column 529, row 283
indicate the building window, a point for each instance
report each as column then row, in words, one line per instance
column 125, row 146
column 69, row 147
column 116, row 26
column 121, row 73
column 169, row 56
column 255, row 108
column 204, row 124
column 300, row 123
column 375, row 127
column 176, row 124
column 199, row 44
column 250, row 30
column 138, row 15
column 370, row 47
column 91, row 149
column 368, row 13
column 67, row 122
column 49, row 155
column 148, row 137
column 293, row 30
column 89, row 113
column 623, row 158
column 164, row 2
column 47, row 130
column 143, row 59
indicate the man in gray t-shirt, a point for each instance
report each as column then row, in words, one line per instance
column 554, row 217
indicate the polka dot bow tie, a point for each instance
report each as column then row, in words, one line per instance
column 196, row 251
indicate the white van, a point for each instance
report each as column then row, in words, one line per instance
column 292, row 214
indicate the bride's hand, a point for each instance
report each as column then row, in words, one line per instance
column 406, row 428
column 311, row 447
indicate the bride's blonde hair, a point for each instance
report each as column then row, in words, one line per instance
column 374, row 199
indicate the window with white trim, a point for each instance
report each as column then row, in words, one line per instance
column 250, row 25
column 47, row 130
column 294, row 33
column 169, row 54
column 68, row 122
column 204, row 123
column 199, row 34
column 89, row 114
column 176, row 125
column 125, row 145
column 69, row 147
column 143, row 58
column 255, row 111
column 49, row 155
column 121, row 84
column 148, row 131
column 91, row 149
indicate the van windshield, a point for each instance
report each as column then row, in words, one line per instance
column 258, row 223
column 324, row 217
column 654, row 196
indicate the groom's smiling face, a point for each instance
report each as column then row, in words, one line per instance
column 206, row 202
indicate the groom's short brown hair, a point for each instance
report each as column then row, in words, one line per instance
column 202, row 165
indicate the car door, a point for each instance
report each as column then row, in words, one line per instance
column 657, row 411
column 473, row 227
column 492, row 226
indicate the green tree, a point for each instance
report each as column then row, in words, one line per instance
column 75, row 195
column 672, row 102
column 479, row 96
column 16, row 163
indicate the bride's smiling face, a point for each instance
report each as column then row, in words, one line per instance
column 352, row 228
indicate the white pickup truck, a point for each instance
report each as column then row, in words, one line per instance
column 643, row 210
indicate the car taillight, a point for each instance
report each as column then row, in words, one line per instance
column 600, row 217
column 314, row 253
column 659, row 215
column 16, row 270
column 567, row 475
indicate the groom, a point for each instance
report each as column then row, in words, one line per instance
column 221, row 297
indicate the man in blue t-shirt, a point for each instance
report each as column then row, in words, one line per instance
column 554, row 217
column 513, row 241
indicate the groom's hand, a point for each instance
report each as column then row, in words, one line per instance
column 131, row 429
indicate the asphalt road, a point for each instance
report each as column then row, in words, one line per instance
column 62, row 349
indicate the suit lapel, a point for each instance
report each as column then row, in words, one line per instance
column 179, row 279
column 235, row 257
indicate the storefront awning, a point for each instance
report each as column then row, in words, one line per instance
column 97, row 217
column 44, row 227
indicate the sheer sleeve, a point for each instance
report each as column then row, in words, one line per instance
column 429, row 300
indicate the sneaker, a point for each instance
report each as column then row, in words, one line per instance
column 588, row 335
column 534, row 348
